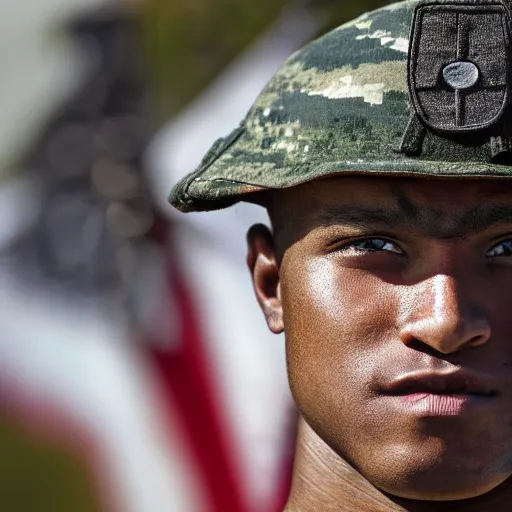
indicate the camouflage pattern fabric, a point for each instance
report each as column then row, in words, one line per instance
column 340, row 105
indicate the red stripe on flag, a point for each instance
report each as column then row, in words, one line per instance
column 185, row 374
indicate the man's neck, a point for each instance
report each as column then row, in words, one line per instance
column 324, row 481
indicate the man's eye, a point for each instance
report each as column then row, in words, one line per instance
column 371, row 245
column 502, row 249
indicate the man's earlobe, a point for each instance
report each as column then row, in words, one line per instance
column 262, row 261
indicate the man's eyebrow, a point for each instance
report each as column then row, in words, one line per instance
column 357, row 216
column 433, row 222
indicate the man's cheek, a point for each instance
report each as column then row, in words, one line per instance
column 336, row 322
column 318, row 287
column 323, row 294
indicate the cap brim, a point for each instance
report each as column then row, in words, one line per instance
column 213, row 191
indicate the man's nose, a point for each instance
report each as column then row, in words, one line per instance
column 440, row 316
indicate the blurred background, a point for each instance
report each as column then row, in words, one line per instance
column 136, row 371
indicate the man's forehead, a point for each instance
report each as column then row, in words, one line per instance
column 438, row 208
column 394, row 192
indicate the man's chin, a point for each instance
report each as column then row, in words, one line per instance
column 443, row 493
column 431, row 472
column 443, row 485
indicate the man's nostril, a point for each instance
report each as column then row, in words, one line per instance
column 477, row 341
column 420, row 346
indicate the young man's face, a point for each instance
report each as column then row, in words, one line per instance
column 396, row 299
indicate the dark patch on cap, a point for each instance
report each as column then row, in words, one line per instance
column 459, row 64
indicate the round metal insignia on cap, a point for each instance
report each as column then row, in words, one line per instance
column 461, row 75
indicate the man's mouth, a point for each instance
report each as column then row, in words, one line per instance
column 442, row 394
column 459, row 382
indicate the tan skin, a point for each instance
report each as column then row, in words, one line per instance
column 373, row 278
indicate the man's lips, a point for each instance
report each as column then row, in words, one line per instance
column 436, row 394
column 459, row 382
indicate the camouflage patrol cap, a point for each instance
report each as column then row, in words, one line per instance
column 418, row 88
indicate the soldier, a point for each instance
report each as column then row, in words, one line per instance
column 381, row 153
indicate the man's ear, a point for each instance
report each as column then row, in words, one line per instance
column 262, row 261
